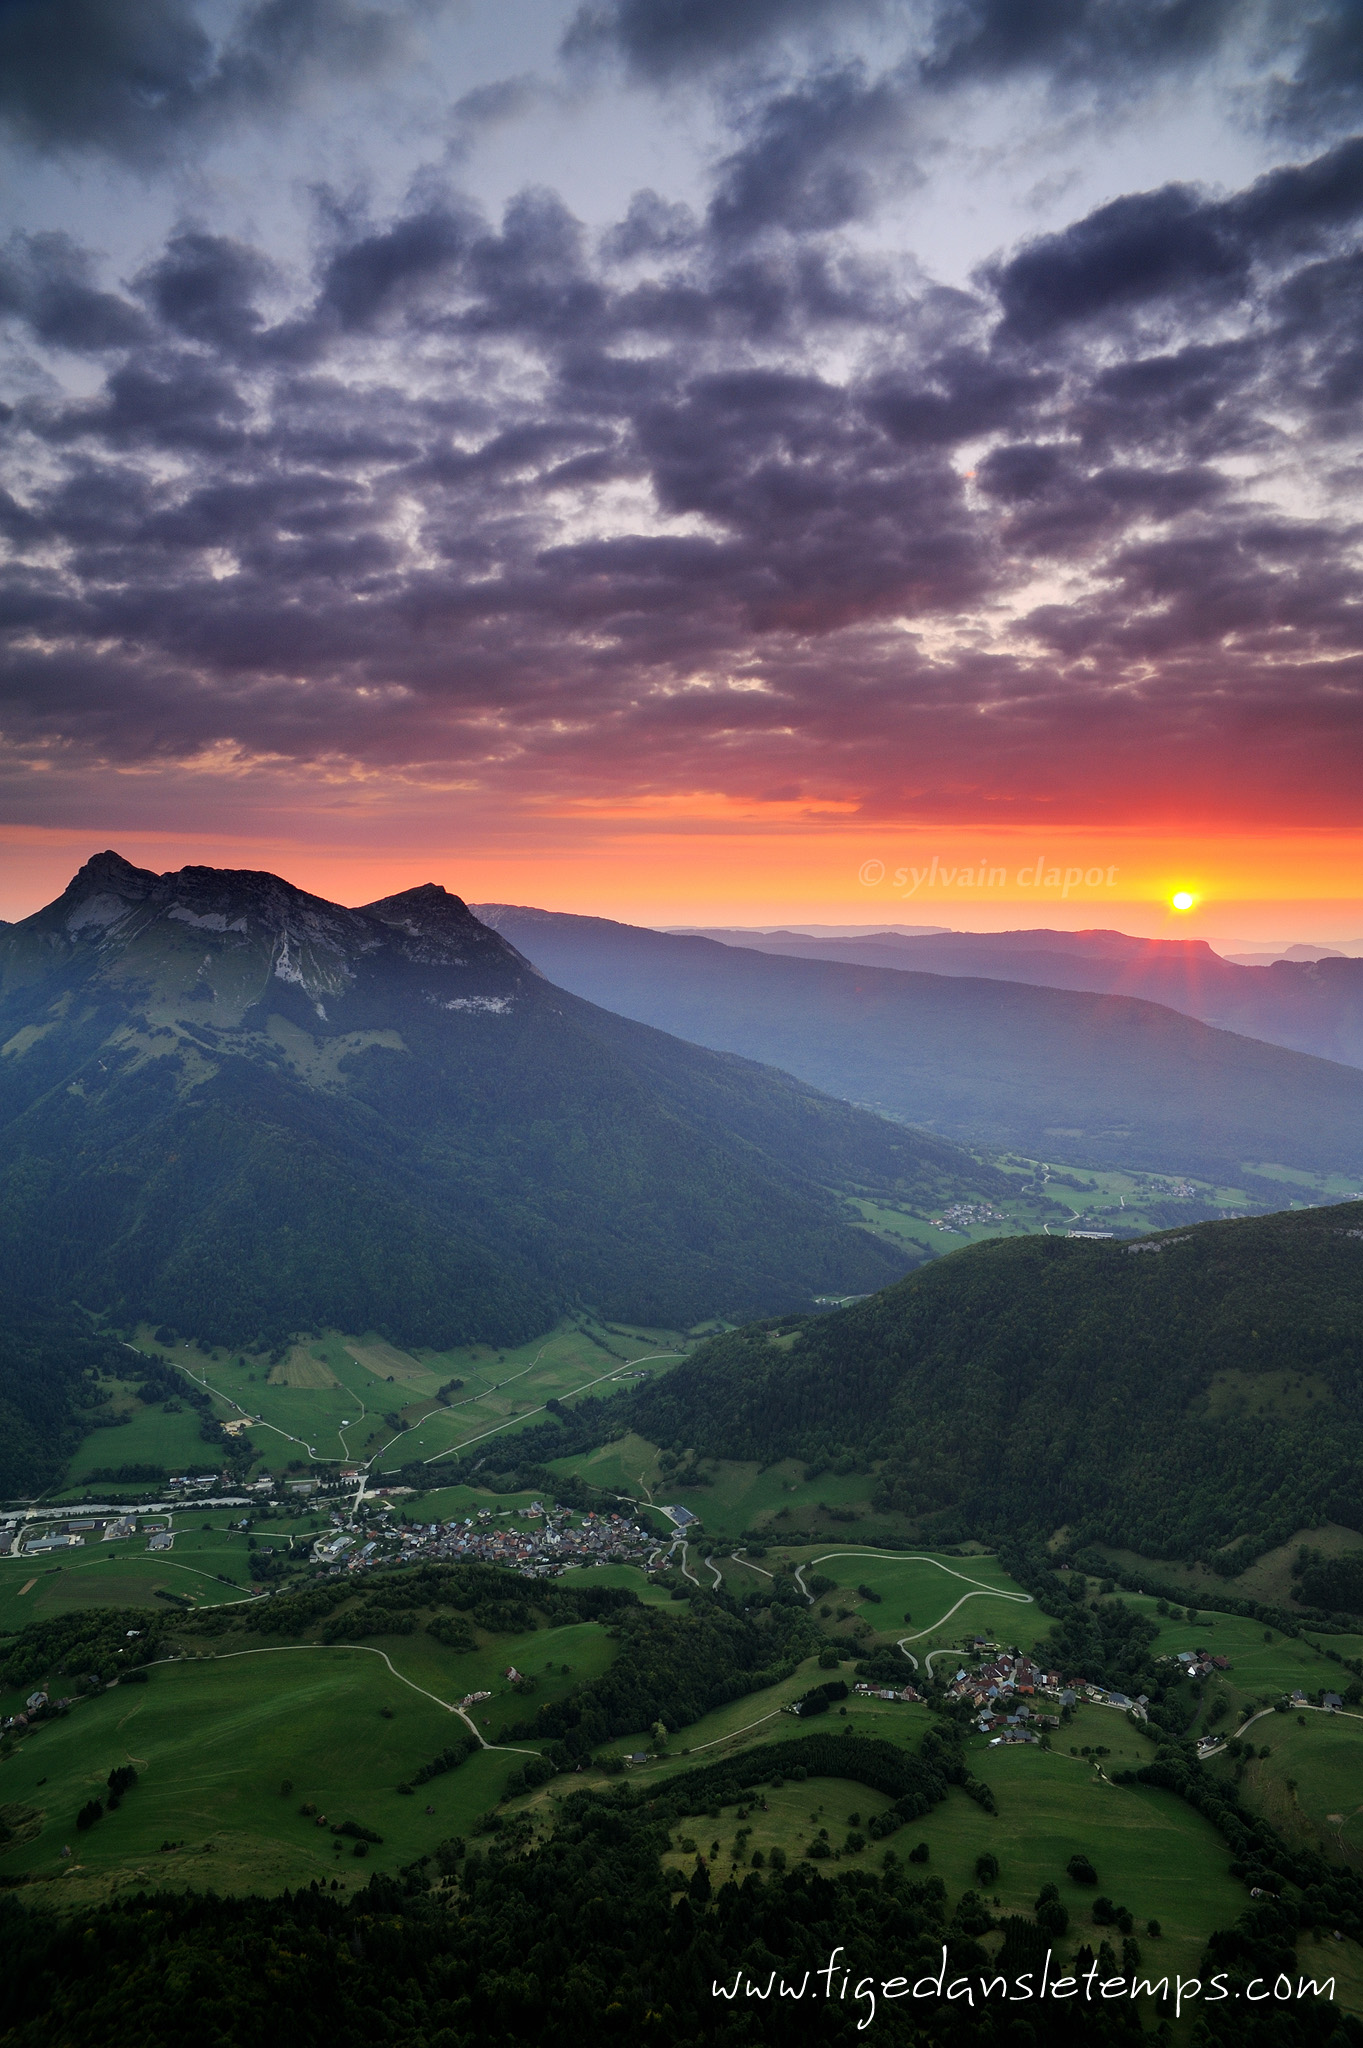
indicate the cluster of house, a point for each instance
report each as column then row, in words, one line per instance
column 537, row 1541
column 1196, row 1663
column 959, row 1217
column 1001, row 1685
column 37, row 1707
column 886, row 1692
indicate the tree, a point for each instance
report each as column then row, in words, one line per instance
column 120, row 1780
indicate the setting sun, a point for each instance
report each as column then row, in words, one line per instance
column 1183, row 899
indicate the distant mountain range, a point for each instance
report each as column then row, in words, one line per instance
column 236, row 1108
column 1186, row 1392
column 1311, row 1004
column 1057, row 1073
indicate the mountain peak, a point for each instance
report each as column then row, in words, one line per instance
column 111, row 870
column 439, row 927
column 424, row 897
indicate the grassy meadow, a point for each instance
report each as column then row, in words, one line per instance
column 338, row 1399
column 1310, row 1786
column 213, row 1742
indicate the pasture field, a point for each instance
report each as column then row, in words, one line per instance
column 947, row 1599
column 740, row 1496
column 449, row 1503
column 540, row 1654
column 628, row 1575
column 1310, row 1786
column 213, row 1741
column 1268, row 1579
column 336, row 1398
column 148, row 1437
column 1152, row 1853
column 206, row 1566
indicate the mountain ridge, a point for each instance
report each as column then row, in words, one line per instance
column 1313, row 1006
column 1056, row 1074
column 230, row 1105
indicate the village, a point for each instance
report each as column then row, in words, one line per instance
column 1000, row 1688
column 537, row 1541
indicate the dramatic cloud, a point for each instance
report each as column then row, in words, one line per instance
column 725, row 496
column 1306, row 56
column 733, row 514
column 133, row 76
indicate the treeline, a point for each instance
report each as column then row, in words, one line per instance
column 1301, row 1892
column 93, row 1643
column 915, row 1783
column 386, row 1603
column 1333, row 1584
column 674, row 1667
column 52, row 1357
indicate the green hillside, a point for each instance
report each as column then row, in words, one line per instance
column 52, row 1365
column 231, row 1107
column 1177, row 1395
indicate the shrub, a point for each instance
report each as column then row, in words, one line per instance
column 920, row 1854
column 987, row 1867
column 1081, row 1870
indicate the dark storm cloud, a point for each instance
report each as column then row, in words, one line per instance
column 1114, row 41
column 46, row 279
column 963, row 40
column 1323, row 90
column 665, row 39
column 204, row 287
column 813, row 157
column 132, row 76
column 749, row 508
column 1175, row 245
column 1303, row 58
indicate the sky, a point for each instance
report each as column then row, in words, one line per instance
column 694, row 461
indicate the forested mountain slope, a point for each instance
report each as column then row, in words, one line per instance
column 1173, row 1395
column 1055, row 1073
column 229, row 1105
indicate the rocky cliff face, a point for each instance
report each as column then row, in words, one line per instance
column 208, row 944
